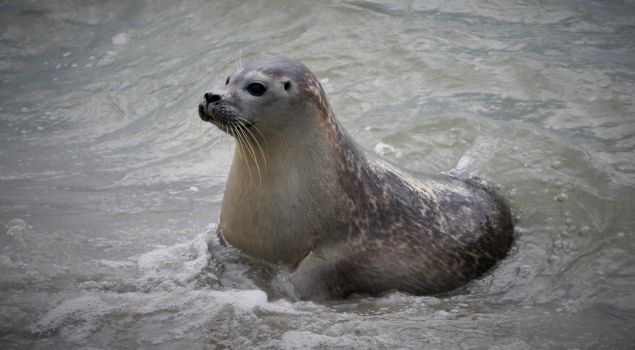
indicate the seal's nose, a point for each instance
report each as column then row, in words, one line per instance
column 211, row 97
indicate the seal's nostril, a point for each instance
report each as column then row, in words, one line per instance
column 211, row 98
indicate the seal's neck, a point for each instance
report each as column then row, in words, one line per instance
column 268, row 193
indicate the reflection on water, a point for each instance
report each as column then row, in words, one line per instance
column 109, row 183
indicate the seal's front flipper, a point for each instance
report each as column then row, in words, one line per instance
column 317, row 279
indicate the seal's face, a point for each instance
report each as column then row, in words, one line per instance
column 264, row 93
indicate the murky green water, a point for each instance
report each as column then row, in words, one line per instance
column 110, row 184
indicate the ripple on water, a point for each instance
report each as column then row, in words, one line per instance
column 107, row 175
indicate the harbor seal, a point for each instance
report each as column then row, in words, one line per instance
column 302, row 193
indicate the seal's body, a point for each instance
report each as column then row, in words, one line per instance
column 301, row 192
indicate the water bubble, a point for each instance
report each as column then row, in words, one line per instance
column 556, row 164
column 584, row 230
column 121, row 38
column 383, row 149
column 620, row 235
column 194, row 189
column 16, row 226
column 561, row 197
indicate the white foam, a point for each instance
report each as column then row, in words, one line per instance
column 165, row 296
column 79, row 318
column 175, row 265
column 77, row 315
column 293, row 340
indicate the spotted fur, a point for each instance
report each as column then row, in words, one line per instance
column 353, row 223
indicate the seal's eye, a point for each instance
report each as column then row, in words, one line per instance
column 287, row 85
column 256, row 89
column 227, row 81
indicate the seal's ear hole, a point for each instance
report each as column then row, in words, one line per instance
column 287, row 85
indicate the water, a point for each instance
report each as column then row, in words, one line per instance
column 110, row 185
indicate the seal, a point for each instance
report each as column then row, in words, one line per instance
column 303, row 194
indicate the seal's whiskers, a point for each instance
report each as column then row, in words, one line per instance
column 254, row 138
column 255, row 127
column 241, row 146
column 245, row 139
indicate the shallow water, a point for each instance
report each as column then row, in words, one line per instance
column 110, row 185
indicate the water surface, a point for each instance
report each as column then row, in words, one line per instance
column 110, row 185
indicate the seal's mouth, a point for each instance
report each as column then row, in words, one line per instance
column 202, row 112
column 221, row 116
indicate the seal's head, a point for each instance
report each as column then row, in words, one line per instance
column 271, row 93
